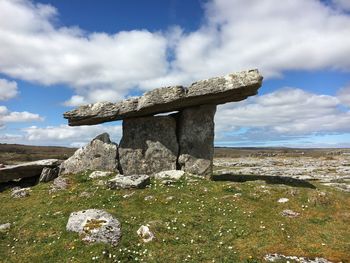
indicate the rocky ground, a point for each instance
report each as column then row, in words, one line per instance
column 333, row 170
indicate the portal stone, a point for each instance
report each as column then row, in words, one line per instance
column 196, row 139
column 149, row 145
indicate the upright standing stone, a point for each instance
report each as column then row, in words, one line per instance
column 196, row 139
column 100, row 154
column 149, row 145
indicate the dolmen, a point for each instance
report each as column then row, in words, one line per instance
column 181, row 140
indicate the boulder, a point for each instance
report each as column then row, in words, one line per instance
column 219, row 90
column 48, row 174
column 18, row 192
column 196, row 139
column 149, row 145
column 127, row 182
column 95, row 225
column 30, row 169
column 99, row 154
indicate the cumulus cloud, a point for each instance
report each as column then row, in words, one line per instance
column 285, row 114
column 8, row 89
column 68, row 136
column 344, row 95
column 33, row 49
column 235, row 35
column 14, row 116
column 342, row 4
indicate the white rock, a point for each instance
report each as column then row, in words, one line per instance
column 131, row 181
column 283, row 200
column 290, row 213
column 145, row 233
column 4, row 227
column 98, row 174
column 95, row 226
column 20, row 192
column 169, row 175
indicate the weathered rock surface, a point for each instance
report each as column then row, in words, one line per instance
column 95, row 225
column 99, row 154
column 18, row 192
column 219, row 90
column 283, row 258
column 99, row 174
column 127, row 182
column 196, row 139
column 145, row 233
column 30, row 169
column 60, row 183
column 48, row 174
column 5, row 227
column 149, row 145
column 169, row 177
column 290, row 213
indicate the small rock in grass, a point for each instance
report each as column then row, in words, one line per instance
column 95, row 225
column 283, row 200
column 282, row 258
column 290, row 213
column 85, row 194
column 129, row 195
column 60, row 183
column 131, row 181
column 148, row 198
column 20, row 192
column 99, row 174
column 169, row 176
column 4, row 227
column 145, row 233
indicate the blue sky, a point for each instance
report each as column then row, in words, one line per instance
column 58, row 55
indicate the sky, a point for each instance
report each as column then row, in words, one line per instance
column 56, row 55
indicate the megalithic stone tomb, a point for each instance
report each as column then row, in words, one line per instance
column 182, row 140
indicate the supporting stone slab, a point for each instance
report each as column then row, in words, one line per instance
column 196, row 139
column 149, row 145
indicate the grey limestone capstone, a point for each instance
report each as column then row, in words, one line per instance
column 100, row 154
column 196, row 139
column 232, row 87
column 149, row 145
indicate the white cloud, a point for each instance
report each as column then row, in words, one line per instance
column 66, row 135
column 344, row 95
column 342, row 4
column 33, row 49
column 295, row 35
column 285, row 114
column 236, row 35
column 14, row 116
column 8, row 89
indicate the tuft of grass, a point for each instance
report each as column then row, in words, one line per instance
column 192, row 221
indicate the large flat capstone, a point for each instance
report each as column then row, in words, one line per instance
column 149, row 145
column 219, row 90
column 30, row 169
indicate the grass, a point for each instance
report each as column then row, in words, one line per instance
column 205, row 221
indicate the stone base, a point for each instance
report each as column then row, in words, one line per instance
column 196, row 139
column 149, row 145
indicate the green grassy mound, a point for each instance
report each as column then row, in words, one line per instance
column 203, row 221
